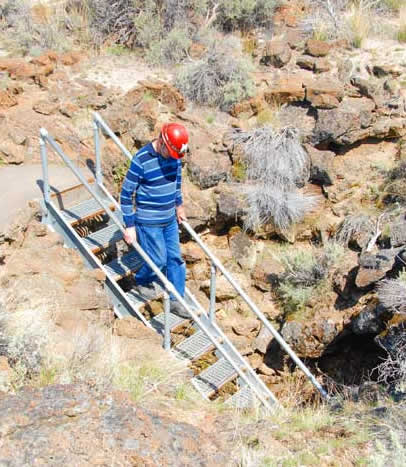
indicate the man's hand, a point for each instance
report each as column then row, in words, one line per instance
column 129, row 235
column 180, row 213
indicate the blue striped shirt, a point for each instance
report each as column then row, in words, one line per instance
column 156, row 183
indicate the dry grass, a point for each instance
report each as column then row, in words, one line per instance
column 41, row 353
column 301, row 437
column 401, row 35
column 354, row 20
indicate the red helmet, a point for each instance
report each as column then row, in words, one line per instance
column 175, row 137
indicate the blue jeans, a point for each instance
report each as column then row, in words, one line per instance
column 161, row 244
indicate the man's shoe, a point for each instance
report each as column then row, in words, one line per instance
column 147, row 291
column 179, row 310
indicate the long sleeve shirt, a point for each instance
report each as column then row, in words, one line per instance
column 156, row 184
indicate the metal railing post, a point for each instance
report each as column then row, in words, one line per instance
column 45, row 179
column 108, row 130
column 96, row 136
column 167, row 330
column 212, row 310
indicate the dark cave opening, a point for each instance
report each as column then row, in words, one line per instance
column 353, row 360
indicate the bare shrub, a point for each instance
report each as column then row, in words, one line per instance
column 326, row 21
column 218, row 79
column 393, row 368
column 110, row 18
column 353, row 226
column 11, row 10
column 392, row 293
column 276, row 164
column 268, row 203
column 276, row 156
column 349, row 19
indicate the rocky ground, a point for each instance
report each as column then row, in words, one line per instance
column 350, row 107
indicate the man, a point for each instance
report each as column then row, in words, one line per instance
column 155, row 177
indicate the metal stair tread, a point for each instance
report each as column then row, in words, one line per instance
column 194, row 346
column 158, row 322
column 125, row 264
column 242, row 399
column 214, row 377
column 84, row 210
column 103, row 237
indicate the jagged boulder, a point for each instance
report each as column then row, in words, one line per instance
column 54, row 274
column 200, row 205
column 12, row 153
column 206, row 169
column 306, row 62
column 346, row 124
column 317, row 48
column 288, row 88
column 244, row 250
column 310, row 338
column 7, row 98
column 324, row 93
column 109, row 427
column 370, row 320
column 277, row 53
column 231, row 207
column 375, row 266
column 322, row 167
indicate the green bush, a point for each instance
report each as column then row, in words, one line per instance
column 295, row 298
column 218, row 79
column 245, row 14
column 305, row 272
column 172, row 49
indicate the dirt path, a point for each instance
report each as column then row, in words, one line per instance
column 22, row 184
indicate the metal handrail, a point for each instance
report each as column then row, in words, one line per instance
column 45, row 137
column 217, row 264
column 255, row 309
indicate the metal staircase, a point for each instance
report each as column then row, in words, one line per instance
column 102, row 247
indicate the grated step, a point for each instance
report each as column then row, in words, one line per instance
column 194, row 346
column 209, row 381
column 103, row 238
column 242, row 399
column 84, row 210
column 124, row 265
column 158, row 322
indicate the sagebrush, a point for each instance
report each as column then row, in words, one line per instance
column 304, row 272
column 24, row 35
column 276, row 164
column 392, row 293
column 218, row 79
